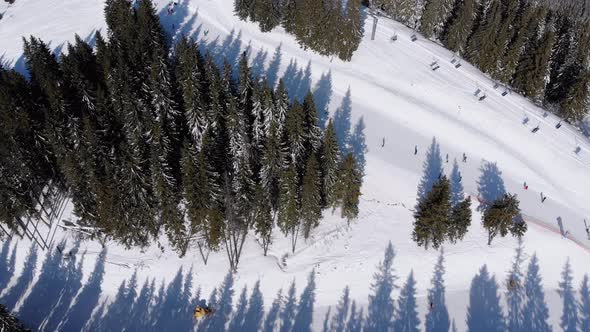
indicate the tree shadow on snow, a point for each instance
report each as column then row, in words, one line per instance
column 437, row 318
column 322, row 93
column 342, row 123
column 6, row 263
column 45, row 293
column 304, row 316
column 490, row 184
column 87, row 300
column 433, row 169
column 484, row 312
column 11, row 297
column 358, row 147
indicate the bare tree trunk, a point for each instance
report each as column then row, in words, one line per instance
column 294, row 235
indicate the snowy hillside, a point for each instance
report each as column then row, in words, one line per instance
column 386, row 94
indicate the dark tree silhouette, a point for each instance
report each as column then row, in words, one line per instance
column 437, row 318
column 569, row 316
column 81, row 311
column 356, row 320
column 289, row 309
column 584, row 305
column 304, row 316
column 338, row 323
column 13, row 295
column 255, row 312
column 484, row 312
column 381, row 305
column 406, row 314
column 432, row 170
column 515, row 295
column 535, row 311
column 270, row 322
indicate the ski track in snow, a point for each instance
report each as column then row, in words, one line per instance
column 400, row 99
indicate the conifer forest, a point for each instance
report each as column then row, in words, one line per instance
column 149, row 138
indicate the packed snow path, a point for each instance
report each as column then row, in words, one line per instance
column 401, row 100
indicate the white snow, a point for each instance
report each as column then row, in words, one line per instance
column 402, row 99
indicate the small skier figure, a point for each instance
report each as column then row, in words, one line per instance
column 383, row 144
column 415, row 150
column 525, row 186
column 587, row 229
column 431, row 305
column 536, row 129
column 447, row 157
column 464, row 157
column 543, row 198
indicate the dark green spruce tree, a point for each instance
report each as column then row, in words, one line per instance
column 348, row 187
column 311, row 210
column 432, row 215
column 500, row 218
column 329, row 161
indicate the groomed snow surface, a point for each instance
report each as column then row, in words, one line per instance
column 397, row 96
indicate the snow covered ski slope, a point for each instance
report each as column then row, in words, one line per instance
column 390, row 88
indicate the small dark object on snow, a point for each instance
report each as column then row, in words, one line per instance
column 557, row 126
column 464, row 157
column 393, row 38
column 545, row 114
column 447, row 157
column 482, row 98
column 504, row 93
column 414, row 37
column 543, row 198
column 201, row 312
column 431, row 305
column 496, row 85
column 525, row 186
column 587, row 229
column 415, row 150
column 458, row 65
column 577, row 150
column 435, row 68
column 512, row 284
column 476, row 93
column 536, row 129
column 434, row 63
column 453, row 60
column 383, row 144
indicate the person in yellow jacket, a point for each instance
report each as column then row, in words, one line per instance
column 201, row 312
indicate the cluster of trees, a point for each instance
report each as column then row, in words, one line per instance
column 540, row 48
column 442, row 211
column 329, row 27
column 146, row 142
